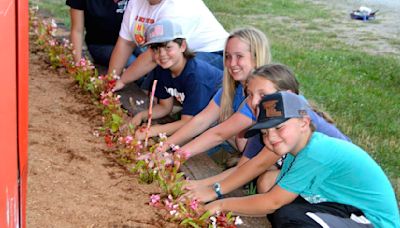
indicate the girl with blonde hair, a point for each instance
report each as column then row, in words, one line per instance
column 245, row 49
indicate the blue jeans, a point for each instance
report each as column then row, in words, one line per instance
column 101, row 54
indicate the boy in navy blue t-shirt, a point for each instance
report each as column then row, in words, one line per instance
column 191, row 81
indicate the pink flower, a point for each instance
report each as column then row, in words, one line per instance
column 128, row 139
column 105, row 102
column 144, row 157
column 168, row 161
column 174, row 147
column 52, row 42
column 183, row 153
column 194, row 204
column 102, row 94
column 154, row 199
column 168, row 204
column 82, row 62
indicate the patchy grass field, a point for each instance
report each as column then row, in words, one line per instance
column 360, row 89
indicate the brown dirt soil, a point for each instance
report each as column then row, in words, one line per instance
column 72, row 180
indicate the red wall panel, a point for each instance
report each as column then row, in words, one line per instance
column 9, row 191
column 22, row 99
column 13, row 111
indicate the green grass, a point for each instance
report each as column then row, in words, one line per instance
column 360, row 90
column 56, row 8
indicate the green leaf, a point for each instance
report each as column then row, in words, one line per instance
column 116, row 118
column 205, row 216
column 114, row 127
column 193, row 224
column 185, row 221
column 229, row 215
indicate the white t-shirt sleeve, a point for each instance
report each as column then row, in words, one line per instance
column 124, row 31
column 202, row 30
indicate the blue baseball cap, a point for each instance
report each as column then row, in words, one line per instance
column 162, row 31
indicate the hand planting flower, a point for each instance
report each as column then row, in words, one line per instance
column 118, row 85
column 137, row 119
column 192, row 184
column 201, row 193
column 184, row 154
column 140, row 133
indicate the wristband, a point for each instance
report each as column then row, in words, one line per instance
column 217, row 190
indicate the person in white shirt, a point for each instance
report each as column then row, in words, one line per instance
column 204, row 33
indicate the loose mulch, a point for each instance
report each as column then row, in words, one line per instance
column 73, row 181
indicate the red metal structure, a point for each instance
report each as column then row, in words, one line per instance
column 14, row 57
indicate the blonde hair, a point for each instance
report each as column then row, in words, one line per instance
column 259, row 49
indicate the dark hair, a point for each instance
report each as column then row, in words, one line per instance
column 280, row 75
column 284, row 79
column 188, row 54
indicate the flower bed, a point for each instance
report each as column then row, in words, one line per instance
column 144, row 157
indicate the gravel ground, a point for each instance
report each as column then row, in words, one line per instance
column 378, row 36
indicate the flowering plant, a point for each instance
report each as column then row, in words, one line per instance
column 60, row 54
column 112, row 116
column 169, row 178
column 190, row 213
column 186, row 212
column 146, row 165
column 84, row 71
column 149, row 162
column 224, row 220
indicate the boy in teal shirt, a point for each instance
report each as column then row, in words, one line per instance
column 323, row 182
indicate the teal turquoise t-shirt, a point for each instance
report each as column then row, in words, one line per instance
column 333, row 170
column 237, row 102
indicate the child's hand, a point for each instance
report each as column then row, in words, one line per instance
column 213, row 207
column 202, row 194
column 118, row 85
column 140, row 133
column 193, row 184
column 136, row 120
column 164, row 148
